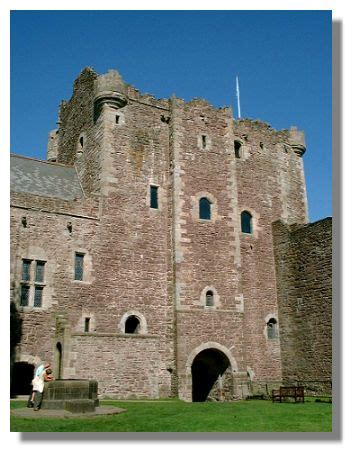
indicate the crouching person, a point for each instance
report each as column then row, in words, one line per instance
column 38, row 386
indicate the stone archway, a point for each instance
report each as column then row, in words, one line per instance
column 208, row 369
column 216, row 359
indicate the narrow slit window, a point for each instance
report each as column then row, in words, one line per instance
column 79, row 259
column 246, row 222
column 117, row 119
column 204, row 141
column 24, row 295
column 154, row 197
column 38, row 296
column 26, row 269
column 86, row 324
column 204, row 209
column 81, row 142
column 39, row 271
column 238, row 149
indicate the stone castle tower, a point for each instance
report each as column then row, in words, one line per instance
column 164, row 249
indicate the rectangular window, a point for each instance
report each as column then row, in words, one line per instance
column 153, row 197
column 86, row 324
column 79, row 258
column 117, row 119
column 24, row 295
column 26, row 269
column 38, row 296
column 39, row 271
column 204, row 141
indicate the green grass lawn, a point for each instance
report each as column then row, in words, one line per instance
column 178, row 416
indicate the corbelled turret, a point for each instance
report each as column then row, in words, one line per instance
column 110, row 90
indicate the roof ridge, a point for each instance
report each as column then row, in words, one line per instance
column 66, row 165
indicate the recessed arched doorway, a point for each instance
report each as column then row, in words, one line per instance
column 208, row 368
column 58, row 360
column 22, row 376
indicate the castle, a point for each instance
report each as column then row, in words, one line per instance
column 164, row 250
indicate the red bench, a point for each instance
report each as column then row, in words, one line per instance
column 295, row 392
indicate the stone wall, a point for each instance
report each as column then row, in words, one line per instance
column 271, row 186
column 53, row 232
column 124, row 366
column 205, row 251
column 304, row 284
column 78, row 138
column 157, row 264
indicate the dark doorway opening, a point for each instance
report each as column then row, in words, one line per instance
column 207, row 367
column 22, row 376
column 58, row 360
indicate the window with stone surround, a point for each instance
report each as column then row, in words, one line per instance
column 86, row 324
column 154, row 202
column 39, row 271
column 32, row 283
column 26, row 269
column 204, row 209
column 38, row 296
column 132, row 325
column 79, row 262
column 246, row 222
column 271, row 328
column 209, row 298
column 24, row 299
column 133, row 322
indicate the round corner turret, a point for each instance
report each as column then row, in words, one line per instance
column 111, row 90
column 297, row 140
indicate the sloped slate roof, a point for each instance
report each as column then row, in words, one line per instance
column 42, row 178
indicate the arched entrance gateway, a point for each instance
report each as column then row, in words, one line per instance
column 210, row 369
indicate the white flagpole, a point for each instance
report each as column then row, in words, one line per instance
column 238, row 97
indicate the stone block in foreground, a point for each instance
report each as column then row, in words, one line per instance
column 76, row 396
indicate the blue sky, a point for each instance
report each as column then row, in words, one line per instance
column 283, row 59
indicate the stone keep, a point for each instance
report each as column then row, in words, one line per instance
column 199, row 274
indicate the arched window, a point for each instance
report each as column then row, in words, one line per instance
column 271, row 328
column 204, row 209
column 81, row 144
column 246, row 222
column 209, row 298
column 132, row 325
column 238, row 149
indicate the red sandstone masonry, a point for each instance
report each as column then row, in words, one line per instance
column 158, row 263
column 304, row 272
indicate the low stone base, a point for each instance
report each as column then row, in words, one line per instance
column 99, row 411
column 74, row 406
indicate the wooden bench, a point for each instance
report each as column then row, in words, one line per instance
column 295, row 392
